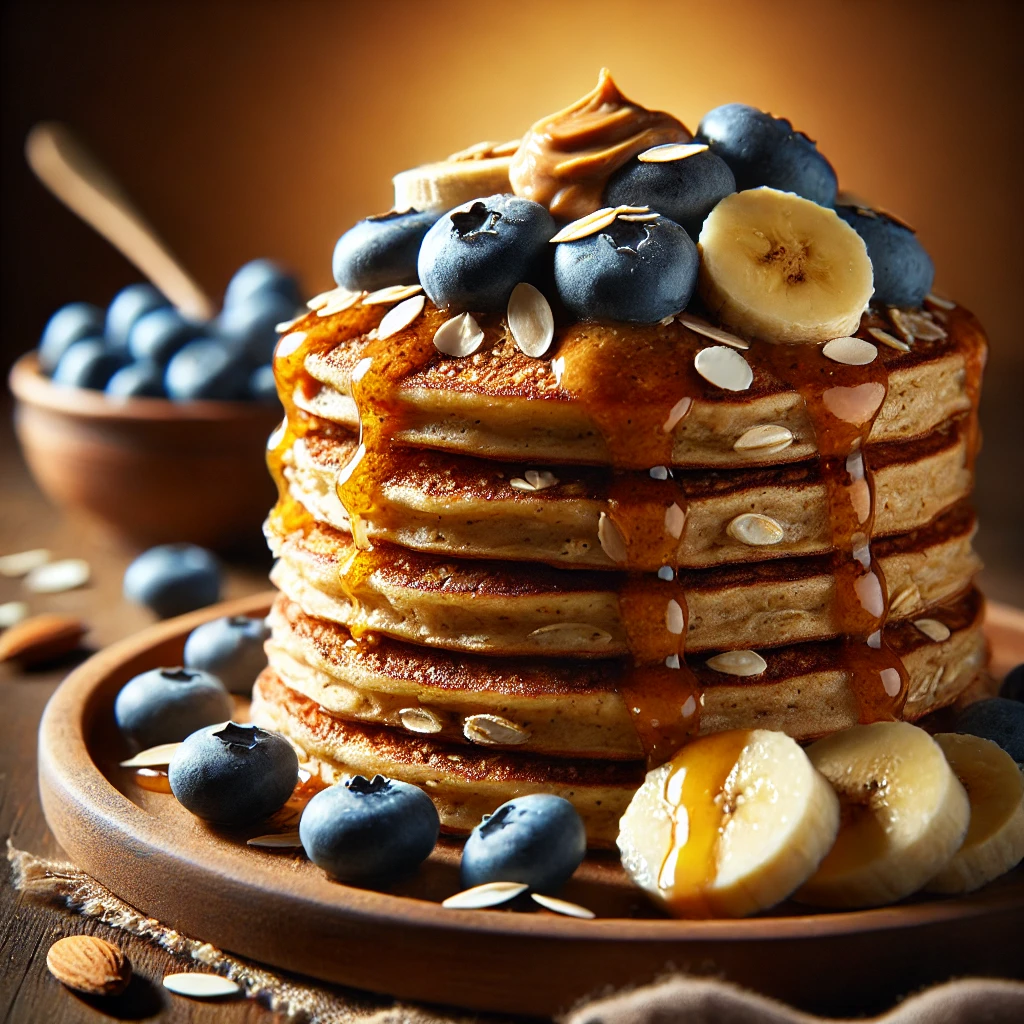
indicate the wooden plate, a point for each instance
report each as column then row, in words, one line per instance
column 276, row 907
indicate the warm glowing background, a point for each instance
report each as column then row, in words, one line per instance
column 267, row 128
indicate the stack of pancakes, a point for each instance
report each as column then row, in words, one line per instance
column 502, row 574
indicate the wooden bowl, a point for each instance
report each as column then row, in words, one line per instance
column 150, row 470
column 278, row 908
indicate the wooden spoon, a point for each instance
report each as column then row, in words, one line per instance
column 67, row 168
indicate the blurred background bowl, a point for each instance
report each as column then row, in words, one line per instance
column 148, row 470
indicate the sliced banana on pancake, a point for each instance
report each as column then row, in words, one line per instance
column 780, row 268
column 732, row 825
column 447, row 183
column 905, row 815
column 995, row 836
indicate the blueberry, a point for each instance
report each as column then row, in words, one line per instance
column 637, row 271
column 1013, row 684
column 539, row 840
column 157, row 335
column 262, row 276
column 474, row 255
column 69, row 324
column 144, row 379
column 903, row 270
column 87, row 364
column 172, row 579
column 765, row 150
column 206, row 369
column 999, row 720
column 128, row 305
column 233, row 774
column 381, row 251
column 250, row 325
column 369, row 829
column 685, row 191
column 231, row 648
column 165, row 705
column 262, row 386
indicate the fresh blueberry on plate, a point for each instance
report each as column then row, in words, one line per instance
column 381, row 251
column 233, row 774
column 262, row 276
column 685, row 191
column 366, row 829
column 165, row 705
column 144, row 379
column 474, row 255
column 765, row 150
column 1013, row 684
column 262, row 386
column 538, row 840
column 87, row 364
column 172, row 579
column 157, row 335
column 129, row 305
column 207, row 369
column 636, row 271
column 249, row 325
column 903, row 271
column 71, row 323
column 231, row 648
column 999, row 720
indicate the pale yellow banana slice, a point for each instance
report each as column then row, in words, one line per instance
column 731, row 825
column 450, row 183
column 780, row 268
column 905, row 815
column 995, row 836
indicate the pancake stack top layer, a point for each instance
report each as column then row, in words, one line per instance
column 505, row 572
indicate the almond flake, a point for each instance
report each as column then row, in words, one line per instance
column 321, row 300
column 460, row 336
column 612, row 542
column 671, row 151
column 675, row 520
column 12, row 612
column 738, row 663
column 530, row 320
column 393, row 293
column 676, row 414
column 887, row 339
column 289, row 344
column 55, row 577
column 400, row 316
column 420, row 720
column 493, row 729
column 675, row 620
column 517, row 483
column 939, row 302
column 287, row 325
column 23, row 562
column 850, row 351
column 933, row 629
column 594, row 222
column 557, row 906
column 338, row 300
column 766, row 437
column 490, row 894
column 572, row 634
column 638, row 218
column 541, row 479
column 911, row 324
column 724, row 367
column 277, row 841
column 699, row 326
column 755, row 529
column 200, row 986
column 907, row 598
column 153, row 757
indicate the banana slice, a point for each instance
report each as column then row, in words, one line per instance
column 449, row 183
column 905, row 815
column 731, row 825
column 995, row 836
column 780, row 268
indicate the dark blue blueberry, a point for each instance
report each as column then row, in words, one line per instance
column 250, row 325
column 207, row 369
column 903, row 270
column 999, row 720
column 538, row 839
column 765, row 150
column 474, row 255
column 262, row 386
column 1013, row 684
column 157, row 335
column 128, row 305
column 231, row 648
column 364, row 829
column 261, row 276
column 165, row 705
column 144, row 379
column 685, row 191
column 637, row 271
column 381, row 251
column 172, row 579
column 233, row 774
column 87, row 364
column 69, row 324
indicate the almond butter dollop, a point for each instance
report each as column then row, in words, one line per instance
column 565, row 159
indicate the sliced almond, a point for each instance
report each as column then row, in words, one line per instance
column 517, row 483
column 12, row 612
column 699, row 326
column 490, row 894
column 22, row 562
column 612, row 542
column 338, row 301
column 939, row 302
column 724, row 367
column 594, row 222
column 907, row 598
column 850, row 351
column 755, row 529
column 557, row 906
column 738, row 663
column 399, row 317
column 675, row 520
column 887, row 339
column 200, row 986
column 286, row 325
column 277, row 840
column 460, row 336
column 87, row 963
column 420, row 720
column 321, row 300
column 153, row 757
column 289, row 344
column 493, row 729
column 912, row 324
column 393, row 293
column 41, row 638
column 766, row 438
column 933, row 629
column 530, row 320
column 675, row 620
column 570, row 634
column 671, row 151
column 676, row 414
column 55, row 577
column 540, row 479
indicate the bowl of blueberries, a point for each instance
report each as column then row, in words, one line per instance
column 155, row 424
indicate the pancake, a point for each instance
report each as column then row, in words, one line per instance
column 508, row 608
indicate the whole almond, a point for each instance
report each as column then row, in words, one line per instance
column 41, row 638
column 88, row 964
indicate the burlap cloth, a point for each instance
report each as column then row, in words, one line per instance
column 676, row 1000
